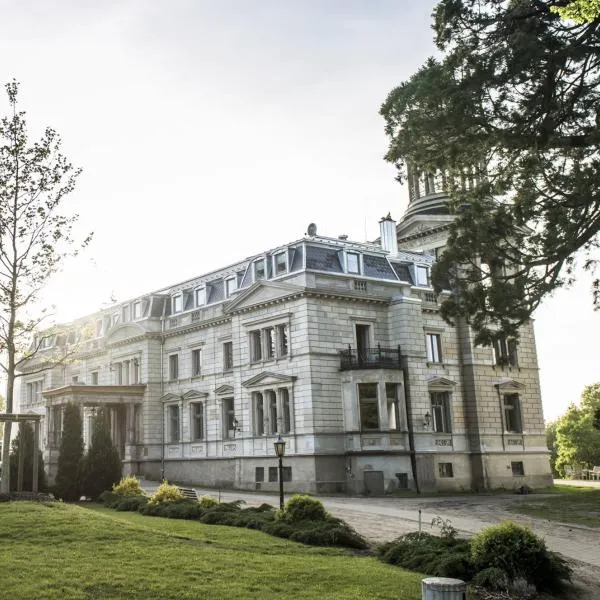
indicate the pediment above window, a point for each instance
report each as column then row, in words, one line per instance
column 267, row 378
column 194, row 394
column 509, row 385
column 170, row 397
column 222, row 390
column 441, row 384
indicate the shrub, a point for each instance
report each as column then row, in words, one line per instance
column 129, row 503
column 109, row 498
column 492, row 578
column 128, row 486
column 24, row 442
column 520, row 553
column 303, row 508
column 167, row 493
column 207, row 502
column 278, row 529
column 183, row 510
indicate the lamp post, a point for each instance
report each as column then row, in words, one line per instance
column 279, row 444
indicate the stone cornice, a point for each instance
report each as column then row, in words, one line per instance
column 136, row 389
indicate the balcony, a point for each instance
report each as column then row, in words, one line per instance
column 370, row 358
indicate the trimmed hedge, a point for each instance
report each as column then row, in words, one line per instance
column 291, row 523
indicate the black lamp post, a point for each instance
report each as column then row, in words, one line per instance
column 279, row 444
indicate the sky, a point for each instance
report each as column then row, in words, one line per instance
column 209, row 131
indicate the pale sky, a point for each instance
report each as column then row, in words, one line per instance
column 209, row 131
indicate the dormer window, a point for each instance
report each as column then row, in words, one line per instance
column 352, row 263
column 200, row 296
column 259, row 269
column 137, row 310
column 177, row 303
column 230, row 286
column 126, row 313
column 99, row 328
column 422, row 275
column 280, row 264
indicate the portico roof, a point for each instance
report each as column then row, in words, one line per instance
column 93, row 395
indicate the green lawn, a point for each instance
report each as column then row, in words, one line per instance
column 566, row 504
column 58, row 551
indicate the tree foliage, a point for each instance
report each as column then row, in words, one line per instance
column 67, row 485
column 102, row 467
column 580, row 11
column 577, row 440
column 35, row 237
column 23, row 442
column 510, row 114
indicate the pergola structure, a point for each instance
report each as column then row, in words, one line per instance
column 23, row 418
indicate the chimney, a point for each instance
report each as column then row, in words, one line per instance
column 387, row 228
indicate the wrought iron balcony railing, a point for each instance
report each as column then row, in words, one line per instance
column 370, row 358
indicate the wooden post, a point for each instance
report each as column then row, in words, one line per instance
column 36, row 439
column 21, row 457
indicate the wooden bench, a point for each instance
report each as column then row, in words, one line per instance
column 189, row 493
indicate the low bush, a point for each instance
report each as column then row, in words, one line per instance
column 439, row 556
column 130, row 503
column 108, row 498
column 303, row 508
column 207, row 502
column 182, row 510
column 278, row 529
column 167, row 493
column 128, row 486
column 492, row 578
column 521, row 554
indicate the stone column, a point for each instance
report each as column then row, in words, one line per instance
column 36, row 444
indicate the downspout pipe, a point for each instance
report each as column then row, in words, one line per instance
column 162, row 393
column 409, row 418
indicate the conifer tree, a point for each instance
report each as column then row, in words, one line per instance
column 102, row 462
column 24, row 443
column 70, row 458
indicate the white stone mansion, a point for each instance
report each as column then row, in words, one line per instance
column 338, row 346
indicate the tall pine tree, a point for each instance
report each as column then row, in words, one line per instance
column 102, row 462
column 70, row 458
column 24, row 443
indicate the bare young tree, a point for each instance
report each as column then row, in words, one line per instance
column 35, row 238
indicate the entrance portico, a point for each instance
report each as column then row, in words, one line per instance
column 122, row 403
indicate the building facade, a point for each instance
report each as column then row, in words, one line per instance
column 335, row 345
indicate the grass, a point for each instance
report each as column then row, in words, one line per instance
column 58, row 551
column 565, row 504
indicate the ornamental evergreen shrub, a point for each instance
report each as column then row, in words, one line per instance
column 102, row 463
column 67, row 485
column 207, row 502
column 167, row 493
column 24, row 442
column 130, row 503
column 128, row 486
column 521, row 554
column 303, row 508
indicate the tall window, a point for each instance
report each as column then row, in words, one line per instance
column 286, row 424
column 505, row 352
column 177, row 303
column 259, row 414
column 255, row 346
column 512, row 413
column 200, row 296
column 434, row 347
column 259, row 269
column 272, row 408
column 196, row 362
column 369, row 410
column 269, row 335
column 229, row 422
column 137, row 310
column 282, row 340
column 422, row 275
column 119, row 373
column 136, row 371
column 227, row 356
column 230, row 286
column 94, row 377
column 198, row 421
column 440, row 412
column 353, row 263
column 391, row 392
column 173, row 428
column 279, row 264
column 173, row 367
